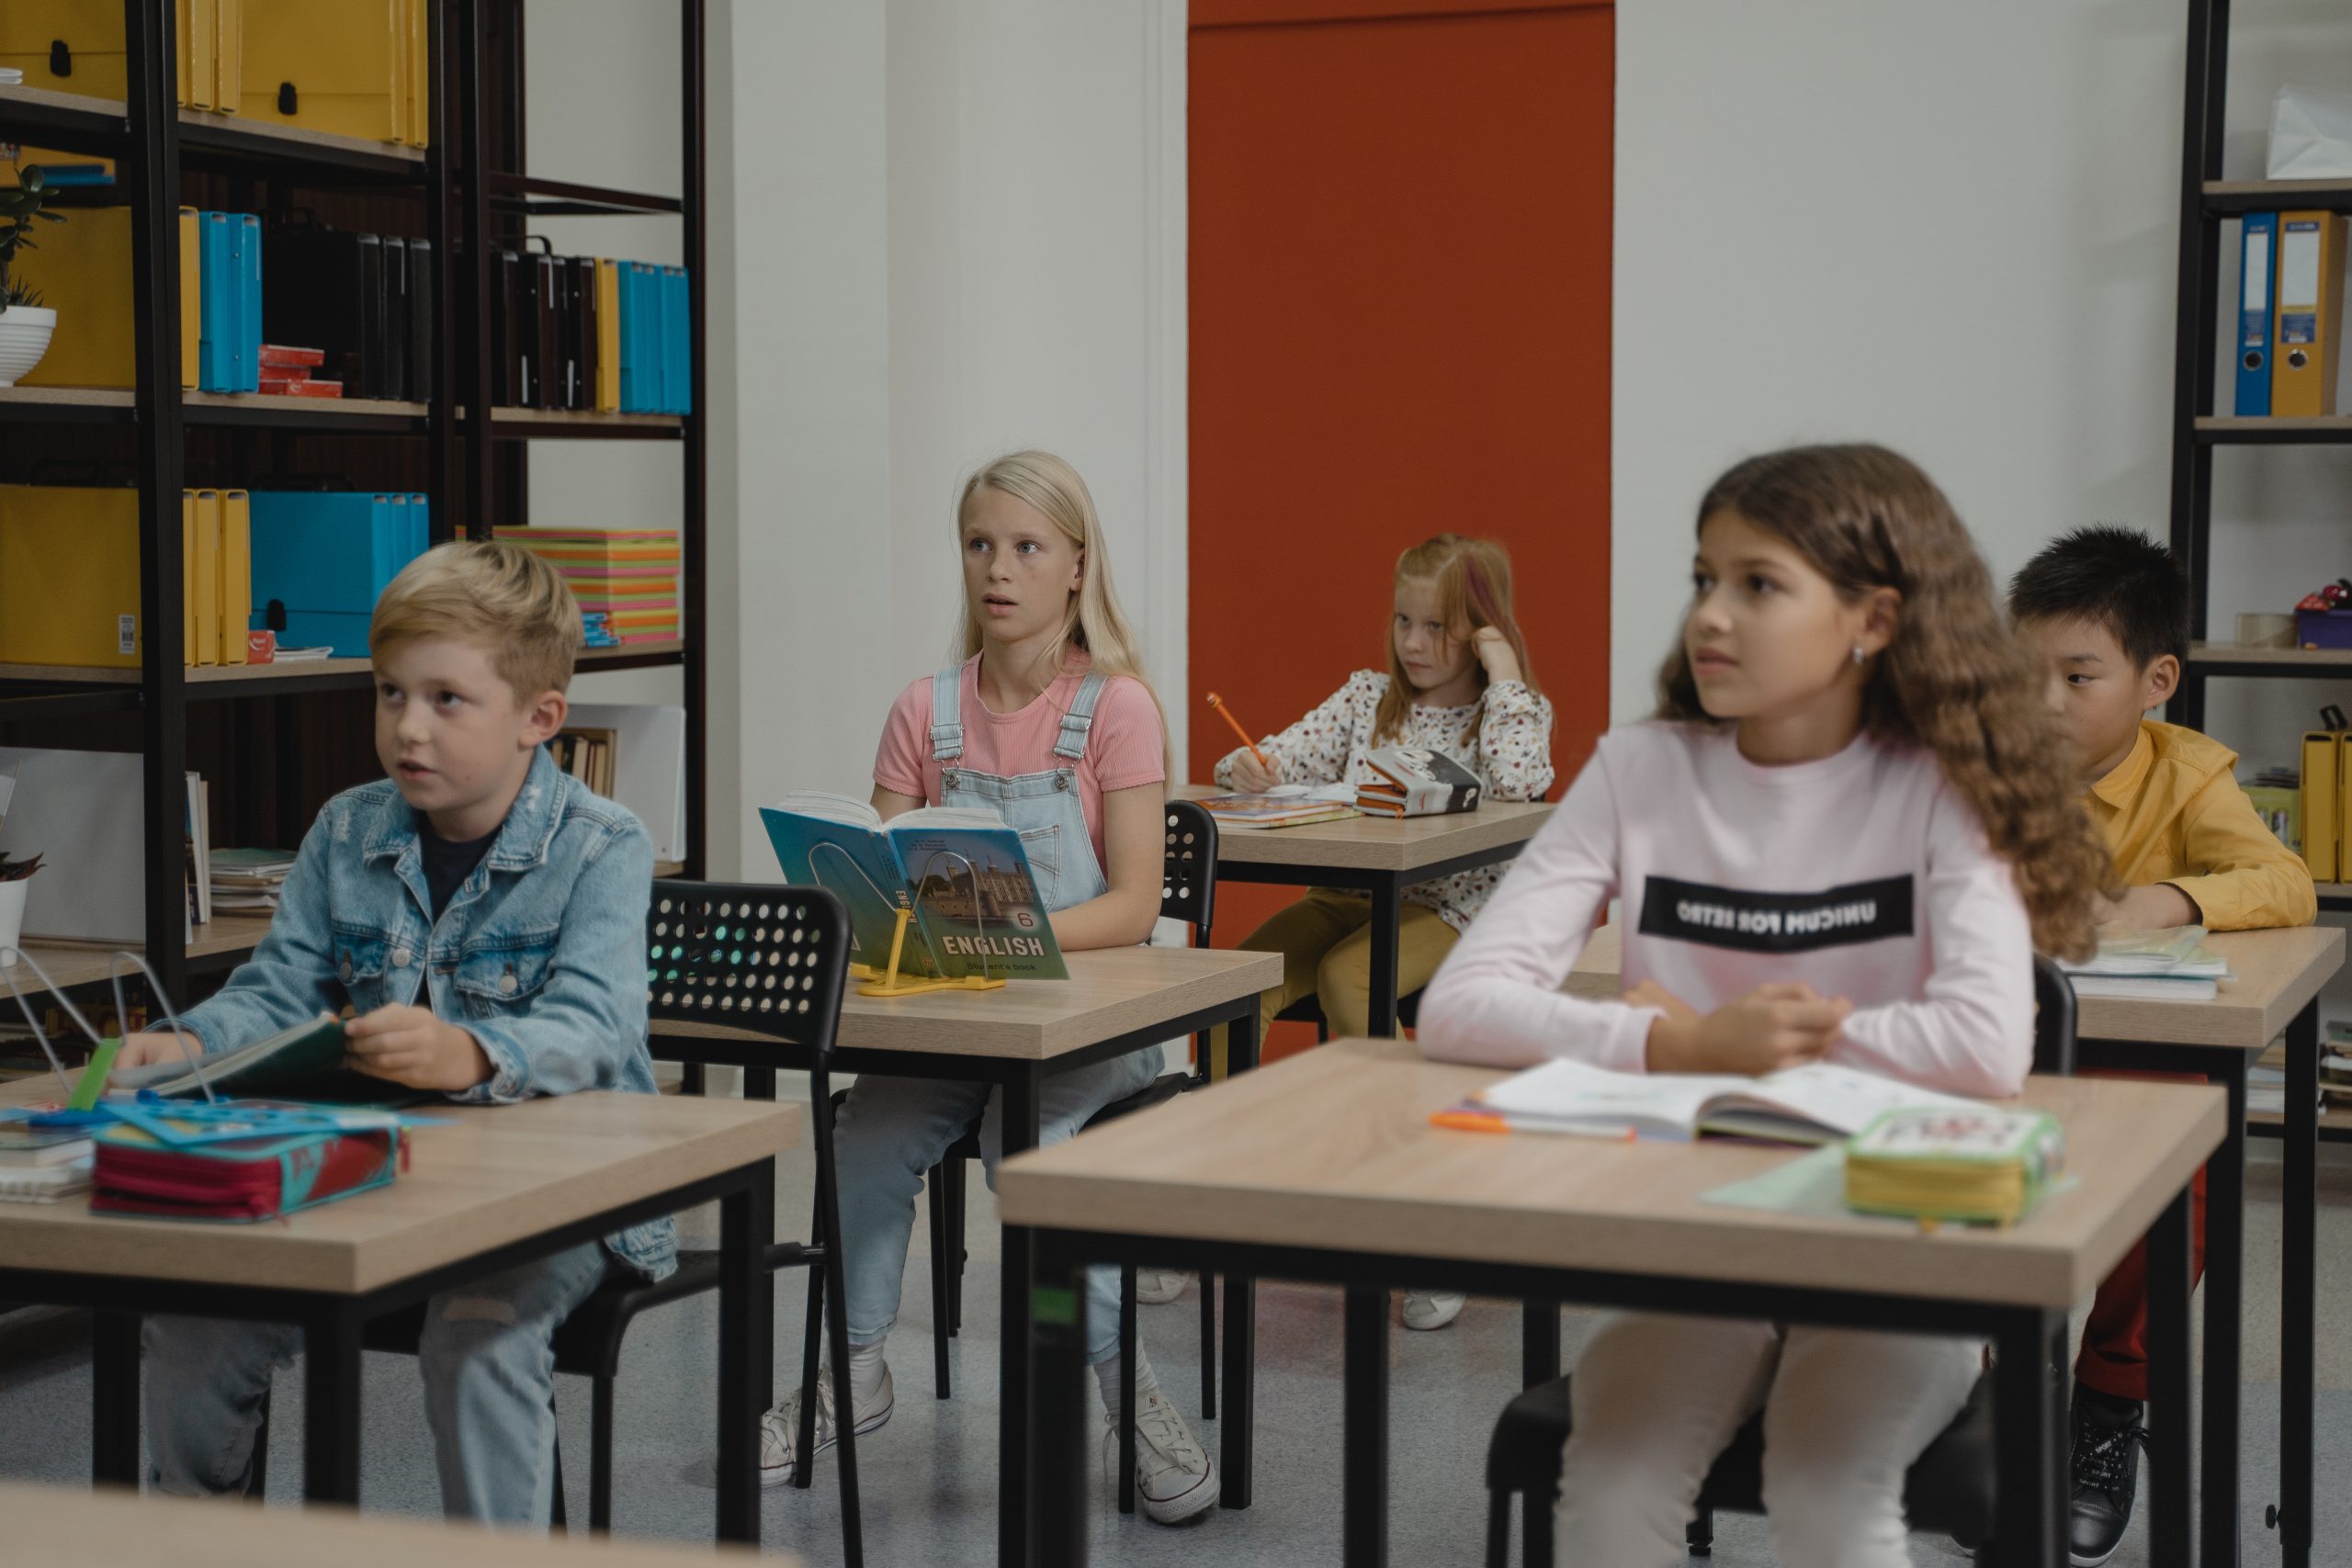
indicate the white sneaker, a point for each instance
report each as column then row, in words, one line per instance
column 1431, row 1309
column 1173, row 1476
column 1158, row 1287
column 780, row 1427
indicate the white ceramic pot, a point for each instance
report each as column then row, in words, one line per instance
column 24, row 338
column 12, row 919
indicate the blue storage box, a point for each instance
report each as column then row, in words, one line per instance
column 321, row 560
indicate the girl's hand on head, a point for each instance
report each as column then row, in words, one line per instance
column 1249, row 776
column 1770, row 1028
column 1494, row 653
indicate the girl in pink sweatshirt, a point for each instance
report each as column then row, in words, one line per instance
column 1841, row 838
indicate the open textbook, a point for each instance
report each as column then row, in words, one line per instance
column 1816, row 1103
column 962, row 874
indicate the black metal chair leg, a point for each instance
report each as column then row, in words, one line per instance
column 600, row 1456
column 1209, row 1345
column 557, row 1520
column 692, row 1081
column 844, row 1393
column 805, row 1440
column 1127, row 1390
column 258, row 1486
column 958, row 1187
column 1700, row 1535
column 759, row 1083
column 1535, row 1525
column 1497, row 1529
column 935, row 1204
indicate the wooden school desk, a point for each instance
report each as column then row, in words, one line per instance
column 1324, row 1167
column 1116, row 1001
column 111, row 1529
column 493, row 1187
column 2280, row 974
column 1373, row 855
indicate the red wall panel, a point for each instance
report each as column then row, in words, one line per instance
column 1399, row 282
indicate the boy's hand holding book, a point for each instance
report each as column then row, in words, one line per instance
column 153, row 1045
column 1770, row 1028
column 409, row 1046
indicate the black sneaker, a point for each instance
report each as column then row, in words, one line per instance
column 2108, row 1437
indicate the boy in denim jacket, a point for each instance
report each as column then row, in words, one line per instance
column 483, row 913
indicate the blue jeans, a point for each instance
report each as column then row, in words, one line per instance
column 893, row 1129
column 488, row 1358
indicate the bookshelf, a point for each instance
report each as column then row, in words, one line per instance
column 279, row 738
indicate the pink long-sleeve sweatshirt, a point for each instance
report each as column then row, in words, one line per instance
column 1862, row 874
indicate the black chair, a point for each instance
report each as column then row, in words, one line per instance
column 1949, row 1490
column 770, row 962
column 1309, row 1010
column 1188, row 893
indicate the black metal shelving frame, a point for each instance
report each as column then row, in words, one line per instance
column 153, row 142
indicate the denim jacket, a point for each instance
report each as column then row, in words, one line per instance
column 539, row 953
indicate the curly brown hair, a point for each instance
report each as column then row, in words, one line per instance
column 1954, row 679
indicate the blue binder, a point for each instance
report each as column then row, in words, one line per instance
column 633, row 366
column 229, row 295
column 321, row 560
column 677, row 342
column 2257, row 269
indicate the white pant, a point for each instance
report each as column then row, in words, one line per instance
column 1655, row 1399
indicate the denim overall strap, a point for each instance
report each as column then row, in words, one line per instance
column 1080, row 718
column 948, row 714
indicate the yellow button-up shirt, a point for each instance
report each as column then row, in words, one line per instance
column 2172, row 812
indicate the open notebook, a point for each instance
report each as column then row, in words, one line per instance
column 1818, row 1103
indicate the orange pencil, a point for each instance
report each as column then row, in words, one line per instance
column 1227, row 713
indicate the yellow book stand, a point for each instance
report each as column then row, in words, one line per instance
column 890, row 983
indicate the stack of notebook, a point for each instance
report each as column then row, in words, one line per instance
column 249, row 881
column 2166, row 965
column 1292, row 810
column 629, row 576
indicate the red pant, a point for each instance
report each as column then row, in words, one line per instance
column 2114, row 1358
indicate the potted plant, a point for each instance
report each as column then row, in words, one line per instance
column 16, row 882
column 25, row 323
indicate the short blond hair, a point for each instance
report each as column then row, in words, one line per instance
column 498, row 596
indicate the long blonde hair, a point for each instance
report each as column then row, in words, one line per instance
column 1955, row 680
column 1472, row 579
column 1093, row 621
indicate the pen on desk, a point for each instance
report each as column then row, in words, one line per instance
column 1227, row 713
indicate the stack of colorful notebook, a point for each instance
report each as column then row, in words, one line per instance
column 629, row 575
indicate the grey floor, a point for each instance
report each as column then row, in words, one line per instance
column 929, row 1475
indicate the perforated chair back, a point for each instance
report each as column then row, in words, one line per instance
column 770, row 960
column 1188, row 878
column 2054, row 1018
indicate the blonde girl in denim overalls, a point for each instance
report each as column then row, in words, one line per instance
column 1037, row 597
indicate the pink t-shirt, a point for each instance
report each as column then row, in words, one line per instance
column 1862, row 873
column 1123, row 748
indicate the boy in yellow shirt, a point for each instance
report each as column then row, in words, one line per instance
column 2107, row 610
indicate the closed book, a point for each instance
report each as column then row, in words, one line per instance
column 282, row 357
column 204, row 570
column 423, row 348
column 396, row 334
column 1413, row 781
column 607, row 399
column 1980, row 1164
column 299, row 387
column 2322, row 813
column 191, row 297
column 236, row 576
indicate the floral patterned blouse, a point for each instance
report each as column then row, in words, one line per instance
column 1505, row 738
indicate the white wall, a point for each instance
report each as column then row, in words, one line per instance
column 939, row 230
column 956, row 227
column 1949, row 228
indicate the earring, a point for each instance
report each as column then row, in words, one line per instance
column 1859, row 657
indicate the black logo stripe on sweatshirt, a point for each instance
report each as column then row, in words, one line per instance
column 1844, row 916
